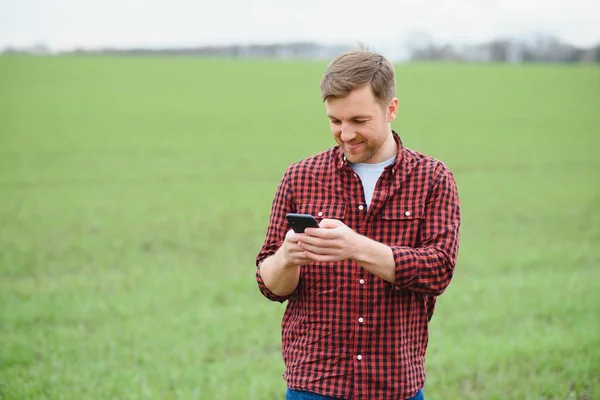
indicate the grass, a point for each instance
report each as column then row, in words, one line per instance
column 135, row 192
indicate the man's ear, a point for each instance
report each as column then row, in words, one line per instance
column 392, row 110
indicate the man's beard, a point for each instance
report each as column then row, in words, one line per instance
column 365, row 152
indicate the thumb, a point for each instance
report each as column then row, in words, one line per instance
column 291, row 236
column 330, row 223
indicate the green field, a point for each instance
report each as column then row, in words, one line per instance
column 135, row 192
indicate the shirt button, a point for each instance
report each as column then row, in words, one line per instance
column 320, row 214
column 356, row 176
column 361, row 320
column 361, row 207
column 362, row 281
column 359, row 357
column 407, row 213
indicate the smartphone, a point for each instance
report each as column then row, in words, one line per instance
column 300, row 222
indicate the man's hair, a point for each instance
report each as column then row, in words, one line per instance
column 356, row 68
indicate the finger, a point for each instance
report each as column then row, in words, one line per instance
column 295, row 249
column 293, row 237
column 318, row 249
column 330, row 223
column 323, row 257
column 322, row 233
column 301, row 258
column 320, row 241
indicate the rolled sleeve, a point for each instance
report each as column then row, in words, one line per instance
column 278, row 226
column 266, row 291
column 430, row 267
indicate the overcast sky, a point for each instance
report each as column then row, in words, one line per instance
column 65, row 24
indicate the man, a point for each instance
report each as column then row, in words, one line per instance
column 361, row 288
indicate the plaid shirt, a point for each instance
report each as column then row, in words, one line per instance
column 347, row 333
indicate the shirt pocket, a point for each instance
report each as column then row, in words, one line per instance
column 401, row 221
column 321, row 210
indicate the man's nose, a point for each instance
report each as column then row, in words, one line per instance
column 347, row 133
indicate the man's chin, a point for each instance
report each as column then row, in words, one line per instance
column 354, row 155
column 354, row 158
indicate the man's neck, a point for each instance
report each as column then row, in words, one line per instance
column 388, row 150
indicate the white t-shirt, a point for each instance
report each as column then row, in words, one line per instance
column 369, row 174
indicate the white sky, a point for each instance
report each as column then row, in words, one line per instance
column 65, row 24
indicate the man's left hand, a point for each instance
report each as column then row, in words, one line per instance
column 333, row 241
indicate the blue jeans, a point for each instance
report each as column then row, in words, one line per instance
column 299, row 395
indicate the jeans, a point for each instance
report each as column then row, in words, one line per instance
column 299, row 395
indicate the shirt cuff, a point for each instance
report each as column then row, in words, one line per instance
column 265, row 290
column 406, row 266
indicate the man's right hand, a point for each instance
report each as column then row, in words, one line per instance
column 281, row 271
column 292, row 254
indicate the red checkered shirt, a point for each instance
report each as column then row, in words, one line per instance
column 347, row 333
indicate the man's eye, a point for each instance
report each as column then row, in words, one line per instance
column 334, row 121
column 360, row 121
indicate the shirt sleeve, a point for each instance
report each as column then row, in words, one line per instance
column 429, row 268
column 276, row 231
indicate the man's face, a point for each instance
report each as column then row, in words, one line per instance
column 361, row 126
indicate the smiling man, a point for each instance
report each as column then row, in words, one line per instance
column 361, row 288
